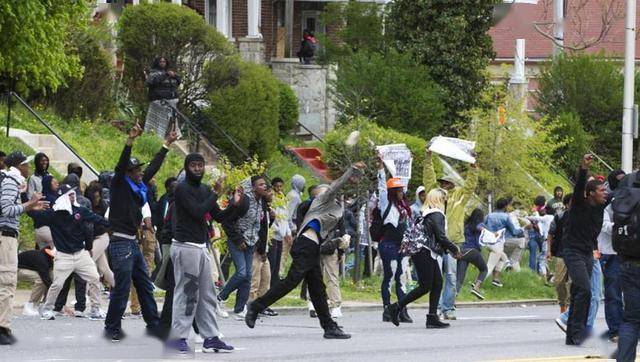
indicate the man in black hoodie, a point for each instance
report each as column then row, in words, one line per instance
column 194, row 296
column 41, row 163
column 128, row 195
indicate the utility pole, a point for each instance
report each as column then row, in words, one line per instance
column 558, row 29
column 629, row 65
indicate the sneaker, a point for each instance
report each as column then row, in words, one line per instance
column 394, row 313
column 335, row 332
column 313, row 314
column 48, row 316
column 269, row 312
column 29, row 310
column 178, row 345
column 79, row 314
column 220, row 312
column 216, row 345
column 476, row 292
column 114, row 336
column 6, row 338
column 240, row 315
column 97, row 315
column 450, row 316
column 562, row 325
column 336, row 312
column 497, row 283
column 433, row 322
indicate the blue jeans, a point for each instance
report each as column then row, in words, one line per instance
column 596, row 291
column 241, row 279
column 448, row 297
column 612, row 292
column 630, row 328
column 533, row 252
column 391, row 257
column 128, row 265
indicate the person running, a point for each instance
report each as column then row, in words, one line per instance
column 471, row 253
column 581, row 247
column 459, row 198
column 396, row 214
column 429, row 259
column 322, row 217
column 35, row 266
column 194, row 295
column 67, row 221
column 12, row 181
column 128, row 195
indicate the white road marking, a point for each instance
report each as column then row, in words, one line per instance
column 500, row 318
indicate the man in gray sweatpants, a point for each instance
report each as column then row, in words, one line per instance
column 194, row 295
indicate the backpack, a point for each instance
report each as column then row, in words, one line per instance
column 415, row 238
column 626, row 219
column 376, row 229
column 2, row 177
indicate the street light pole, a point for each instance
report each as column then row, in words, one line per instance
column 629, row 59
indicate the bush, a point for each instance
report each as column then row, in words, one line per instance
column 244, row 100
column 176, row 32
column 576, row 141
column 289, row 110
column 91, row 96
column 392, row 90
column 338, row 156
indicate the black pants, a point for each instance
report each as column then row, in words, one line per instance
column 579, row 266
column 275, row 256
column 305, row 265
column 167, row 307
column 81, row 293
column 474, row 257
column 429, row 280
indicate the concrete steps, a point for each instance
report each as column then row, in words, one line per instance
column 59, row 154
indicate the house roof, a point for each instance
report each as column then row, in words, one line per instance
column 581, row 25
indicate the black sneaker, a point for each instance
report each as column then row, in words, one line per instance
column 404, row 316
column 313, row 314
column 394, row 313
column 335, row 332
column 251, row 316
column 270, row 312
column 6, row 337
column 114, row 336
column 497, row 283
column 216, row 345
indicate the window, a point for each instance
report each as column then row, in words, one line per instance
column 311, row 21
column 210, row 9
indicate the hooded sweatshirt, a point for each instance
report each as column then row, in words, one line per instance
column 193, row 200
column 35, row 181
column 295, row 198
column 10, row 202
column 249, row 223
column 416, row 207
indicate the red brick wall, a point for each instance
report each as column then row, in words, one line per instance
column 268, row 28
column 239, row 18
column 197, row 5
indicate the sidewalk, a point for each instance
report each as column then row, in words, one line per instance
column 22, row 296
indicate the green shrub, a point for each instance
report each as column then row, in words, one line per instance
column 175, row 32
column 577, row 141
column 92, row 95
column 244, row 100
column 289, row 110
column 392, row 90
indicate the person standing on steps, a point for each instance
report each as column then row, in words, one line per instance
column 128, row 195
column 163, row 83
column 581, row 247
column 396, row 214
column 12, row 181
column 428, row 260
column 456, row 213
column 322, row 217
column 194, row 297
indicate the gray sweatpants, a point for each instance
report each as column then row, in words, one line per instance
column 194, row 295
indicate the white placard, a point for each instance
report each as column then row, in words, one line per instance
column 397, row 158
column 455, row 148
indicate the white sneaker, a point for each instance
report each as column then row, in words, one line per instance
column 29, row 310
column 79, row 314
column 198, row 339
column 48, row 315
column 97, row 315
column 336, row 312
column 240, row 316
column 562, row 325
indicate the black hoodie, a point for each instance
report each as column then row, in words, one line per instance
column 193, row 200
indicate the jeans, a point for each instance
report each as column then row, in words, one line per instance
column 275, row 257
column 612, row 292
column 241, row 279
column 305, row 265
column 630, row 328
column 448, row 298
column 579, row 265
column 128, row 265
column 533, row 252
column 392, row 268
column 474, row 257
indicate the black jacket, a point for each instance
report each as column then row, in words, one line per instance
column 434, row 224
column 69, row 231
column 584, row 220
column 39, row 262
column 263, row 234
column 230, row 221
column 161, row 85
column 126, row 207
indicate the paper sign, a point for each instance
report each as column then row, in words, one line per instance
column 455, row 148
column 397, row 158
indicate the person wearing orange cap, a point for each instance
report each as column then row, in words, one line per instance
column 396, row 212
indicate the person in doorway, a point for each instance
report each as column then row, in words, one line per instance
column 322, row 217
column 308, row 47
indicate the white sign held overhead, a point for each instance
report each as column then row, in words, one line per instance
column 397, row 158
column 455, row 148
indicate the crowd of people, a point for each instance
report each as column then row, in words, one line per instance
column 116, row 236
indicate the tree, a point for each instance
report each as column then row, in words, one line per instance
column 289, row 111
column 34, row 43
column 175, row 32
column 576, row 141
column 451, row 40
column 590, row 87
column 390, row 89
column 243, row 99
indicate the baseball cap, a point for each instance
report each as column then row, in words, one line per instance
column 133, row 163
column 17, row 158
column 447, row 178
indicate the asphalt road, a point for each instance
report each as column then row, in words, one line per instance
column 480, row 334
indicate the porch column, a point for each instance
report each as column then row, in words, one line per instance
column 253, row 16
